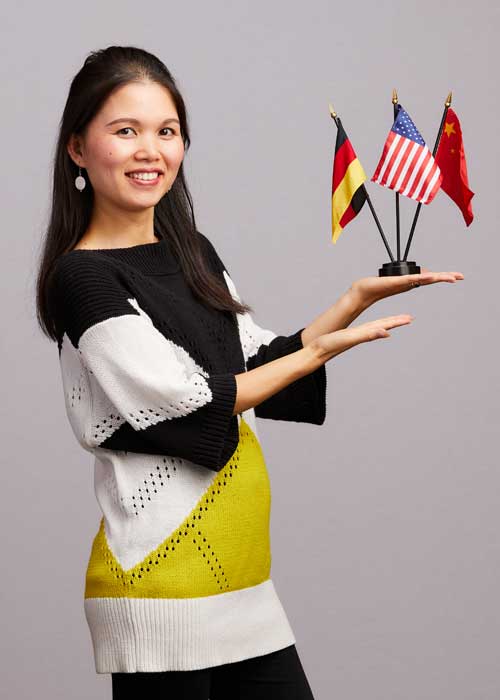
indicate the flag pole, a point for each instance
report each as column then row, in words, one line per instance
column 394, row 103
column 438, row 139
column 336, row 119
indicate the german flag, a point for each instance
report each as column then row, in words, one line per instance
column 348, row 191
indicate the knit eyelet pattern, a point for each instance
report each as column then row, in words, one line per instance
column 222, row 544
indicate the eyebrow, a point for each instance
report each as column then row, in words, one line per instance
column 136, row 121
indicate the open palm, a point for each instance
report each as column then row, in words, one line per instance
column 371, row 289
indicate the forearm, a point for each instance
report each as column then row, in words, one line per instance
column 338, row 316
column 257, row 385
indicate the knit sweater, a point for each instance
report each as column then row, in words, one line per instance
column 178, row 575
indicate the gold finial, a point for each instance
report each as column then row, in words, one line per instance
column 394, row 97
column 333, row 113
column 448, row 100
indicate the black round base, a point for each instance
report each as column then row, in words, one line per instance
column 399, row 267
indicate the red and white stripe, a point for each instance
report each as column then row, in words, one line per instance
column 408, row 168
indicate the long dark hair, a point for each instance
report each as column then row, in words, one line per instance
column 102, row 72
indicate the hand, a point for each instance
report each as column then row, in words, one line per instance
column 368, row 290
column 331, row 344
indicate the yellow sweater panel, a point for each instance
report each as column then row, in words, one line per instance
column 222, row 545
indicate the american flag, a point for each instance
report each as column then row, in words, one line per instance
column 407, row 165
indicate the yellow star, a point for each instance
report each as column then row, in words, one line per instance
column 448, row 127
column 453, row 150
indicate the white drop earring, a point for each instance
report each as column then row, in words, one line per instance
column 80, row 180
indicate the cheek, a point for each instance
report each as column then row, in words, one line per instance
column 178, row 155
column 111, row 157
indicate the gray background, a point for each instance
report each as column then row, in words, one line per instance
column 385, row 520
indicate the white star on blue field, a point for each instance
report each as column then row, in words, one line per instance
column 406, row 128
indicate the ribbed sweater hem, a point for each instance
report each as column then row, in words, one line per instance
column 176, row 634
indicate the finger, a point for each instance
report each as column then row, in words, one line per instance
column 398, row 321
column 439, row 277
column 445, row 277
column 392, row 319
column 383, row 324
column 432, row 277
column 408, row 281
column 380, row 333
column 429, row 277
column 460, row 275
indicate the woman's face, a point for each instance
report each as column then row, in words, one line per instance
column 136, row 129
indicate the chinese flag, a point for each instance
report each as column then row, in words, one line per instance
column 450, row 157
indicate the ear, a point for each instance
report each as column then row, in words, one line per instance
column 74, row 148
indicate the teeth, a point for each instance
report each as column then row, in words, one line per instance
column 144, row 176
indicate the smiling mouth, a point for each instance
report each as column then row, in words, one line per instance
column 145, row 178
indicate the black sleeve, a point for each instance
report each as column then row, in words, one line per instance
column 304, row 400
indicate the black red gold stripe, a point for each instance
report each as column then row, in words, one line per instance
column 348, row 192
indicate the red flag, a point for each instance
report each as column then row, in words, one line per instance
column 450, row 157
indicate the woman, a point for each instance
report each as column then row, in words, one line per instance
column 164, row 371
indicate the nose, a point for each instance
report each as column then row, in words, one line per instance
column 147, row 148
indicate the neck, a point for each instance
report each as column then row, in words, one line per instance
column 112, row 228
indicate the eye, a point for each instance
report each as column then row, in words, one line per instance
column 129, row 127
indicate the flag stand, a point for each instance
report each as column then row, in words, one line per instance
column 399, row 267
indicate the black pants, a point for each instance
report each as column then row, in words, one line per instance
column 275, row 676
